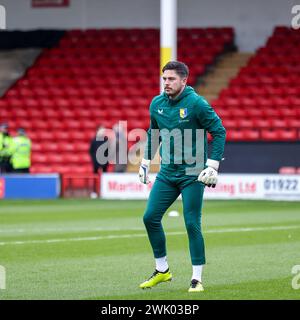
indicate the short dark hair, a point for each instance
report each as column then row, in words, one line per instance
column 180, row 68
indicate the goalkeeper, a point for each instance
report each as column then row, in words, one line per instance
column 179, row 120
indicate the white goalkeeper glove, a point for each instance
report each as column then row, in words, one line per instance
column 144, row 171
column 209, row 176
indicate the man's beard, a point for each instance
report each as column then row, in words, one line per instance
column 173, row 93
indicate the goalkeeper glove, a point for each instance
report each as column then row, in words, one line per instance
column 209, row 176
column 144, row 171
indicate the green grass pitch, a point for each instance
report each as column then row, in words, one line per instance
column 98, row 249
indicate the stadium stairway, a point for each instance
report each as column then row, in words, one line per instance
column 227, row 67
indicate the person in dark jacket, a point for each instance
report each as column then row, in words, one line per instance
column 99, row 162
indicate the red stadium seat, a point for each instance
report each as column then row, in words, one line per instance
column 235, row 135
column 293, row 123
column 230, row 123
column 41, row 169
column 61, row 136
column 55, row 158
column 288, row 170
column 288, row 134
column 279, row 134
column 39, row 158
column 251, row 134
column 279, row 123
column 270, row 135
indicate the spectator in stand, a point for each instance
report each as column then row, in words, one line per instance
column 98, row 161
column 6, row 143
column 21, row 152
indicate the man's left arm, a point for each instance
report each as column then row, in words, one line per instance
column 213, row 124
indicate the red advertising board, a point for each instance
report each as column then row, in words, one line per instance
column 2, row 188
column 50, row 3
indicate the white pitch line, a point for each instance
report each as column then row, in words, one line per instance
column 84, row 229
column 141, row 235
column 73, row 229
column 252, row 229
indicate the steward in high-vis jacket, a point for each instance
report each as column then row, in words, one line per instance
column 6, row 142
column 21, row 155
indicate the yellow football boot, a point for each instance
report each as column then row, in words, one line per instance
column 196, row 286
column 156, row 278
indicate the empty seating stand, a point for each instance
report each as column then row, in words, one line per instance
column 262, row 102
column 95, row 77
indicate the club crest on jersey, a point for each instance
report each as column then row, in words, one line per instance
column 183, row 113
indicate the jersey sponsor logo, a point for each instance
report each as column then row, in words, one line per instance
column 160, row 111
column 183, row 113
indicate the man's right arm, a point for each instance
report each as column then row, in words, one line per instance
column 151, row 147
column 152, row 141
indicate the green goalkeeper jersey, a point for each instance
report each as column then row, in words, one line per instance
column 180, row 126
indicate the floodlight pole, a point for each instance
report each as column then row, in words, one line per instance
column 168, row 33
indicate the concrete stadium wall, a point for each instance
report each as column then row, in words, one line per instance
column 253, row 20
